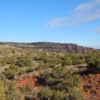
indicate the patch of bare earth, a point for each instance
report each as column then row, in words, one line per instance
column 91, row 86
column 32, row 81
column 28, row 80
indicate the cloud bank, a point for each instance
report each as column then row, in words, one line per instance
column 83, row 13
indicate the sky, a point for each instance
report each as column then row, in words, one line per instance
column 63, row 21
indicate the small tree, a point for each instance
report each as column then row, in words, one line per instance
column 24, row 61
column 59, row 95
column 12, row 92
column 45, row 94
column 93, row 61
column 11, row 71
column 66, row 60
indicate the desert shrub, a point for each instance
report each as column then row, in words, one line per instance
column 59, row 95
column 50, row 94
column 72, row 59
column 60, row 81
column 48, row 58
column 9, row 91
column 75, row 94
column 68, row 81
column 11, row 71
column 29, row 70
column 42, row 66
column 45, row 94
column 50, row 65
column 26, row 88
column 9, row 60
column 58, row 72
column 38, row 58
column 67, row 61
column 93, row 61
column 77, row 59
column 24, row 61
column 21, row 72
column 12, row 92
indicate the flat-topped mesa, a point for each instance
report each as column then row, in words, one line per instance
column 62, row 47
column 53, row 47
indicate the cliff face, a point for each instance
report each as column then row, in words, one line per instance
column 64, row 48
column 54, row 47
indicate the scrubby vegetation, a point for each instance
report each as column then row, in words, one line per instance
column 58, row 74
column 93, row 61
column 61, row 86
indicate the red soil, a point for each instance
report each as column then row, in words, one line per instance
column 91, row 86
column 32, row 81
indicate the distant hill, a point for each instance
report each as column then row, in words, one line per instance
column 62, row 47
column 54, row 47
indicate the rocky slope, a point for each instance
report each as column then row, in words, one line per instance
column 55, row 47
column 62, row 47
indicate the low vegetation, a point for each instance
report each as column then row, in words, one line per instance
column 57, row 74
column 93, row 61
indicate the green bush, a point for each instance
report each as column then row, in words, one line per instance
column 9, row 60
column 24, row 61
column 59, row 81
column 59, row 95
column 12, row 92
column 67, row 61
column 11, row 71
column 9, row 91
column 75, row 94
column 49, row 94
column 21, row 72
column 26, row 88
column 93, row 61
column 45, row 94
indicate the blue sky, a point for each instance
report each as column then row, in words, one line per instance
column 65, row 21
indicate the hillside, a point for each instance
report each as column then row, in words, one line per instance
column 34, row 74
column 53, row 47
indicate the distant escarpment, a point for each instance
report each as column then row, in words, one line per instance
column 62, row 47
column 53, row 47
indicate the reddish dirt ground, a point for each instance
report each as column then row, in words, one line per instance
column 91, row 86
column 32, row 81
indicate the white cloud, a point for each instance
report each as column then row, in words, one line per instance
column 56, row 22
column 83, row 7
column 83, row 13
